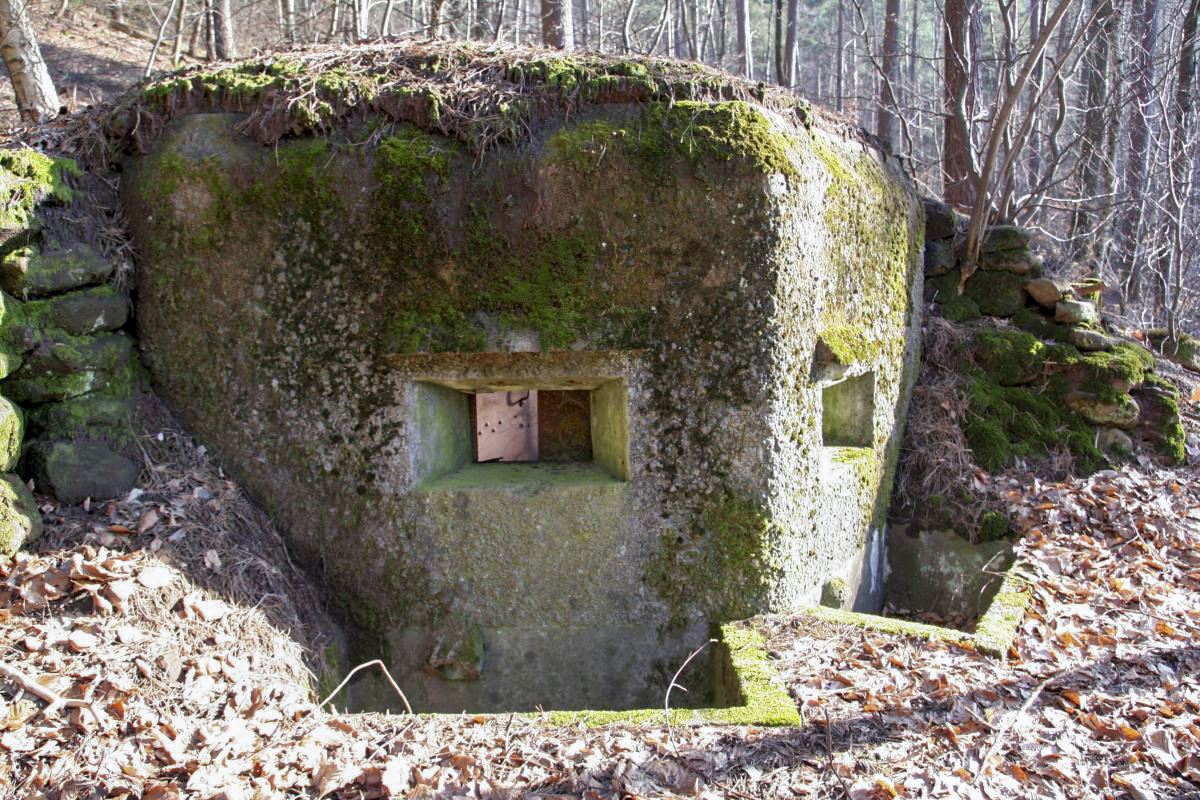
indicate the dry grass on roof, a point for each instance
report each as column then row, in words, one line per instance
column 483, row 95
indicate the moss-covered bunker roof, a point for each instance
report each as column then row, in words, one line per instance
column 483, row 95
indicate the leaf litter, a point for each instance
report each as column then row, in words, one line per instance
column 185, row 649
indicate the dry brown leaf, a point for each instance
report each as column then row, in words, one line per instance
column 155, row 576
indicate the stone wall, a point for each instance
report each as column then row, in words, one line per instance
column 317, row 313
column 67, row 371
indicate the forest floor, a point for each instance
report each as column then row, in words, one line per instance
column 178, row 634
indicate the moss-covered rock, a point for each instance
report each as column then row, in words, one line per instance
column 957, row 308
column 61, row 367
column 1160, row 422
column 99, row 416
column 998, row 294
column 75, row 471
column 1035, row 322
column 78, row 313
column 1000, row 238
column 1010, row 357
column 939, row 256
column 27, row 180
column 1105, row 406
column 20, row 519
column 941, row 221
column 12, row 434
column 1076, row 312
column 1184, row 349
column 33, row 272
column 1018, row 262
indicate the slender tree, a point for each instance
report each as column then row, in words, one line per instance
column 558, row 29
column 37, row 100
column 889, row 80
column 957, row 162
column 1145, row 18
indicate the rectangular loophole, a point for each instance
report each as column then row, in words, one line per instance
column 533, row 425
column 848, row 412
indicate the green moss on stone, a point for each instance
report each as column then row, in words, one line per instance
column 959, row 308
column 1006, row 423
column 1031, row 320
column 997, row 628
column 1009, row 357
column 28, row 178
column 20, row 520
column 994, row 525
column 12, row 434
column 723, row 567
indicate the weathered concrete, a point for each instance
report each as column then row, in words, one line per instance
column 942, row 572
column 318, row 315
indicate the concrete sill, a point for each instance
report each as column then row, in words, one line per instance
column 537, row 475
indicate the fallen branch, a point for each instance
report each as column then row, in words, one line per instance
column 354, row 671
column 829, row 754
column 53, row 699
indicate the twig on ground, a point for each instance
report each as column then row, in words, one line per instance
column 1006, row 727
column 673, row 684
column 355, row 671
column 54, row 700
column 829, row 754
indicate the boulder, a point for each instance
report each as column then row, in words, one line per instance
column 998, row 294
column 12, row 434
column 941, row 221
column 30, row 272
column 940, row 571
column 1114, row 441
column 75, row 471
column 1075, row 312
column 1019, row 262
column 62, row 366
column 1091, row 340
column 20, row 520
column 11, row 351
column 81, row 312
column 1110, row 408
column 939, row 256
column 1046, row 292
column 92, row 416
column 1005, row 237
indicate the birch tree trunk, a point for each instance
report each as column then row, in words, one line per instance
column 37, row 100
column 227, row 48
column 558, row 29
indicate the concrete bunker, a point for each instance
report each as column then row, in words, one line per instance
column 716, row 303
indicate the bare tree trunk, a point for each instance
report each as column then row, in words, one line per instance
column 435, row 17
column 210, row 34
column 585, row 21
column 1145, row 20
column 158, row 40
column 885, row 121
column 745, row 58
column 177, row 47
column 841, row 55
column 116, row 14
column 1181, row 119
column 557, row 28
column 957, row 169
column 789, row 50
column 1095, row 168
column 37, row 101
column 223, row 30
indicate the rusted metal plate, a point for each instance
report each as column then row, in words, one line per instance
column 506, row 426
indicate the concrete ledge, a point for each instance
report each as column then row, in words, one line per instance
column 751, row 684
column 994, row 633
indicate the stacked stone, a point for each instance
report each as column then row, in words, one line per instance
column 1008, row 283
column 68, row 372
